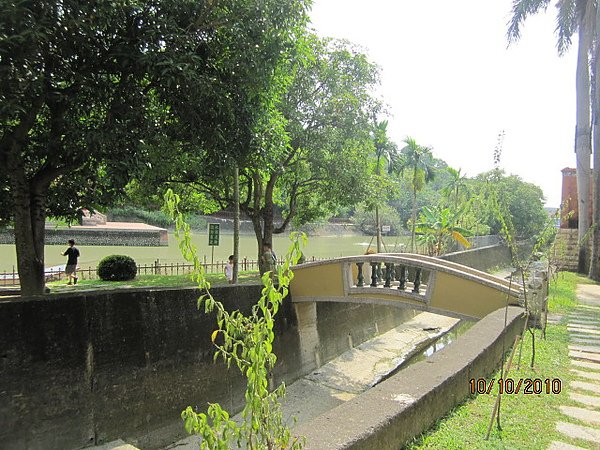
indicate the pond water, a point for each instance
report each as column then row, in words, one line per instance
column 318, row 246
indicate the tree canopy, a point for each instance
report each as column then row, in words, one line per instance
column 524, row 201
column 84, row 86
column 308, row 156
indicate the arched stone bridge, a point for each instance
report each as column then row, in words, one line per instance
column 406, row 280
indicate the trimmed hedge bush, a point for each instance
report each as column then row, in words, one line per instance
column 117, row 268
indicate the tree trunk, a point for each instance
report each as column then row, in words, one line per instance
column 29, row 228
column 414, row 221
column 236, row 222
column 595, row 260
column 378, row 226
column 582, row 136
column 262, row 217
column 263, row 229
column 377, row 219
column 267, row 232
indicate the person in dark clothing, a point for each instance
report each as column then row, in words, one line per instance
column 72, row 254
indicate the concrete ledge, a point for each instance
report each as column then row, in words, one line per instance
column 408, row 403
column 133, row 235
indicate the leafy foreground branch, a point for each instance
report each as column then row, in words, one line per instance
column 246, row 341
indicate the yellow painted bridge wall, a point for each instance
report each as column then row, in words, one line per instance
column 464, row 296
column 456, row 293
column 321, row 280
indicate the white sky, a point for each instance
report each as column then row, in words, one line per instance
column 451, row 82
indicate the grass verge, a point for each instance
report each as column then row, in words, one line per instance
column 150, row 281
column 527, row 421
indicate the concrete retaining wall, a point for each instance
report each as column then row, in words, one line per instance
column 100, row 236
column 482, row 258
column 84, row 368
column 389, row 415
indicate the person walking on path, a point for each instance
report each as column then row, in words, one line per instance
column 72, row 254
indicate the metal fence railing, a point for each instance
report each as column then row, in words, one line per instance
column 57, row 273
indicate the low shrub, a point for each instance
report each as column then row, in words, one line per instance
column 117, row 268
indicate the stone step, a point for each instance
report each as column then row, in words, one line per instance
column 585, row 415
column 555, row 445
column 586, row 364
column 578, row 329
column 594, row 376
column 579, row 432
column 586, row 341
column 583, row 385
column 585, row 348
column 581, row 335
column 575, row 322
column 583, row 326
column 582, row 315
column 585, row 356
column 588, row 400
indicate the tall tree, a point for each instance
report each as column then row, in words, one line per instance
column 595, row 260
column 319, row 162
column 572, row 16
column 417, row 160
column 310, row 155
column 84, row 85
column 523, row 201
column 236, row 223
column 456, row 183
column 386, row 153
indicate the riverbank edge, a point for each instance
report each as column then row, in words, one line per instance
column 408, row 403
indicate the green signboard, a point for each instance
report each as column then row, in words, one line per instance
column 213, row 234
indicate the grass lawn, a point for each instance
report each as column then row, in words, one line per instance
column 150, row 281
column 528, row 421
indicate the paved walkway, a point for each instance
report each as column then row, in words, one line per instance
column 582, row 422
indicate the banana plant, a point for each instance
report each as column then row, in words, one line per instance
column 438, row 227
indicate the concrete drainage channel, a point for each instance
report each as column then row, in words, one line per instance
column 443, row 341
column 355, row 372
column 373, row 397
column 390, row 414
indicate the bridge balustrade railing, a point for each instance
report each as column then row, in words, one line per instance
column 391, row 275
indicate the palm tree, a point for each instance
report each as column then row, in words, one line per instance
column 418, row 160
column 594, row 272
column 455, row 184
column 387, row 151
column 572, row 16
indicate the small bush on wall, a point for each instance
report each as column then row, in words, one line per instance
column 117, row 268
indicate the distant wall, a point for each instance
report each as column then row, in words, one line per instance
column 484, row 241
column 100, row 236
column 482, row 258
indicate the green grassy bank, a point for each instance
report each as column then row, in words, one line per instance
column 528, row 421
column 150, row 281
